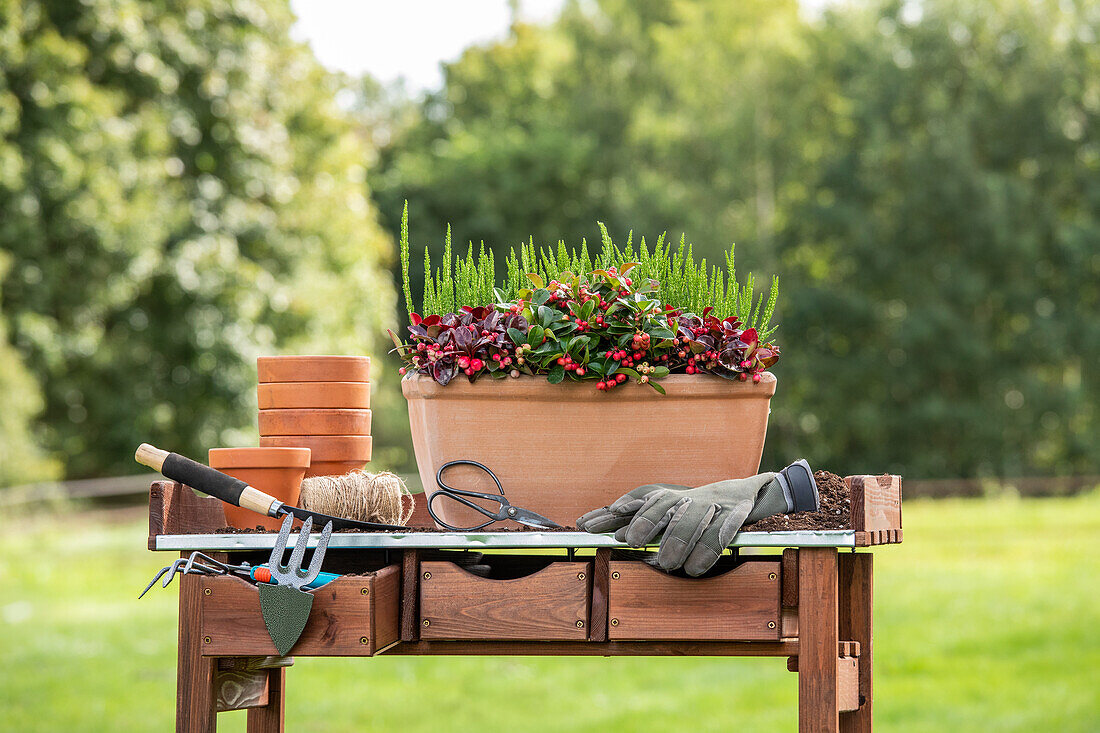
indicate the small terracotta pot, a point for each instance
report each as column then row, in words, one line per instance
column 276, row 471
column 330, row 455
column 313, row 368
column 308, row 421
column 282, row 395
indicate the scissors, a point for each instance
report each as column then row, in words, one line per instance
column 506, row 510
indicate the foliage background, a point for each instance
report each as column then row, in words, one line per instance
column 183, row 188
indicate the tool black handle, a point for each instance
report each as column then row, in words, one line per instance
column 208, row 480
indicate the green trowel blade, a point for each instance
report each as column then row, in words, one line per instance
column 285, row 611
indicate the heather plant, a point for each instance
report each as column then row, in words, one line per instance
column 610, row 323
column 682, row 282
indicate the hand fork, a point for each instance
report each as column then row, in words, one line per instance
column 286, row 606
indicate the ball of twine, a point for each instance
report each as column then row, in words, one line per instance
column 367, row 497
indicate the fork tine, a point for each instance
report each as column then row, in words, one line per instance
column 155, row 579
column 173, row 569
column 276, row 559
column 299, row 552
column 318, row 555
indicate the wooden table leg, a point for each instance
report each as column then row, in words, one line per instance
column 195, row 708
column 818, row 634
column 269, row 718
column 856, row 572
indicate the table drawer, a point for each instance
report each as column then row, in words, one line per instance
column 354, row 615
column 551, row 603
column 740, row 605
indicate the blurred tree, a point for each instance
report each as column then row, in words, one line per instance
column 21, row 459
column 922, row 175
column 179, row 192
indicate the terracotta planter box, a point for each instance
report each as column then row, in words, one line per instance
column 315, row 422
column 563, row 449
column 313, row 368
column 282, row 395
column 277, row 471
column 331, row 455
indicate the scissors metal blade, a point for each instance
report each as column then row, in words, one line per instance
column 531, row 519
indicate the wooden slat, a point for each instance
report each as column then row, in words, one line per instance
column 856, row 616
column 605, row 649
column 176, row 509
column 789, row 575
column 271, row 717
column 601, row 578
column 818, row 641
column 876, row 502
column 788, row 623
column 195, row 710
column 549, row 604
column 410, row 596
column 743, row 604
column 342, row 617
column 845, row 650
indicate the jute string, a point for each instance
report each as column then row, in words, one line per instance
column 367, row 497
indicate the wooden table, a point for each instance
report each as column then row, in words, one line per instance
column 806, row 596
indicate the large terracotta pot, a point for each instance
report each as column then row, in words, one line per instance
column 563, row 449
column 313, row 368
column 282, row 395
column 330, row 455
column 315, row 422
column 276, row 471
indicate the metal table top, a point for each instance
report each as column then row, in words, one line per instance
column 483, row 540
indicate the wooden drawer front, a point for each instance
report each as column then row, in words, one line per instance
column 741, row 605
column 549, row 604
column 355, row 615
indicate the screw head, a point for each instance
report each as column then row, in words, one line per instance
column 426, row 622
column 580, row 576
column 426, row 576
column 364, row 640
column 511, row 511
column 206, row 640
column 206, row 591
column 580, row 624
column 615, row 575
column 771, row 624
column 364, row 591
column 772, row 576
column 614, row 622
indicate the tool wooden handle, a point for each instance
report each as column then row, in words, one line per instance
column 206, row 479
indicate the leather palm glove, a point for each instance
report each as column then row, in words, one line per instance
column 698, row 524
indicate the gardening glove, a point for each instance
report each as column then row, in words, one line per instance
column 699, row 523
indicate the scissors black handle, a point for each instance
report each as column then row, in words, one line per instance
column 460, row 495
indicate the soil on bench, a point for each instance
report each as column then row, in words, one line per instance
column 835, row 513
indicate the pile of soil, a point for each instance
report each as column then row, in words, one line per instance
column 835, row 512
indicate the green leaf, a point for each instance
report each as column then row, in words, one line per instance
column 659, row 372
column 557, row 373
column 661, row 333
column 539, row 297
column 517, row 336
column 538, row 281
column 536, row 336
column 546, row 316
column 656, row 386
column 588, row 309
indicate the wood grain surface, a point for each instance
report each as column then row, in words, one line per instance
column 876, row 504
column 606, row 649
column 856, row 608
column 195, row 709
column 819, row 636
column 354, row 615
column 176, row 509
column 550, row 604
column 742, row 604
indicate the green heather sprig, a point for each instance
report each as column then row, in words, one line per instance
column 682, row 282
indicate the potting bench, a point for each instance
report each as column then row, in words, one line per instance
column 433, row 593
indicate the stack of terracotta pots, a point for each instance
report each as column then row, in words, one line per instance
column 317, row 402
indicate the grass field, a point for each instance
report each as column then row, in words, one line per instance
column 987, row 618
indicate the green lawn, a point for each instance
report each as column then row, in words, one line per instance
column 987, row 618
